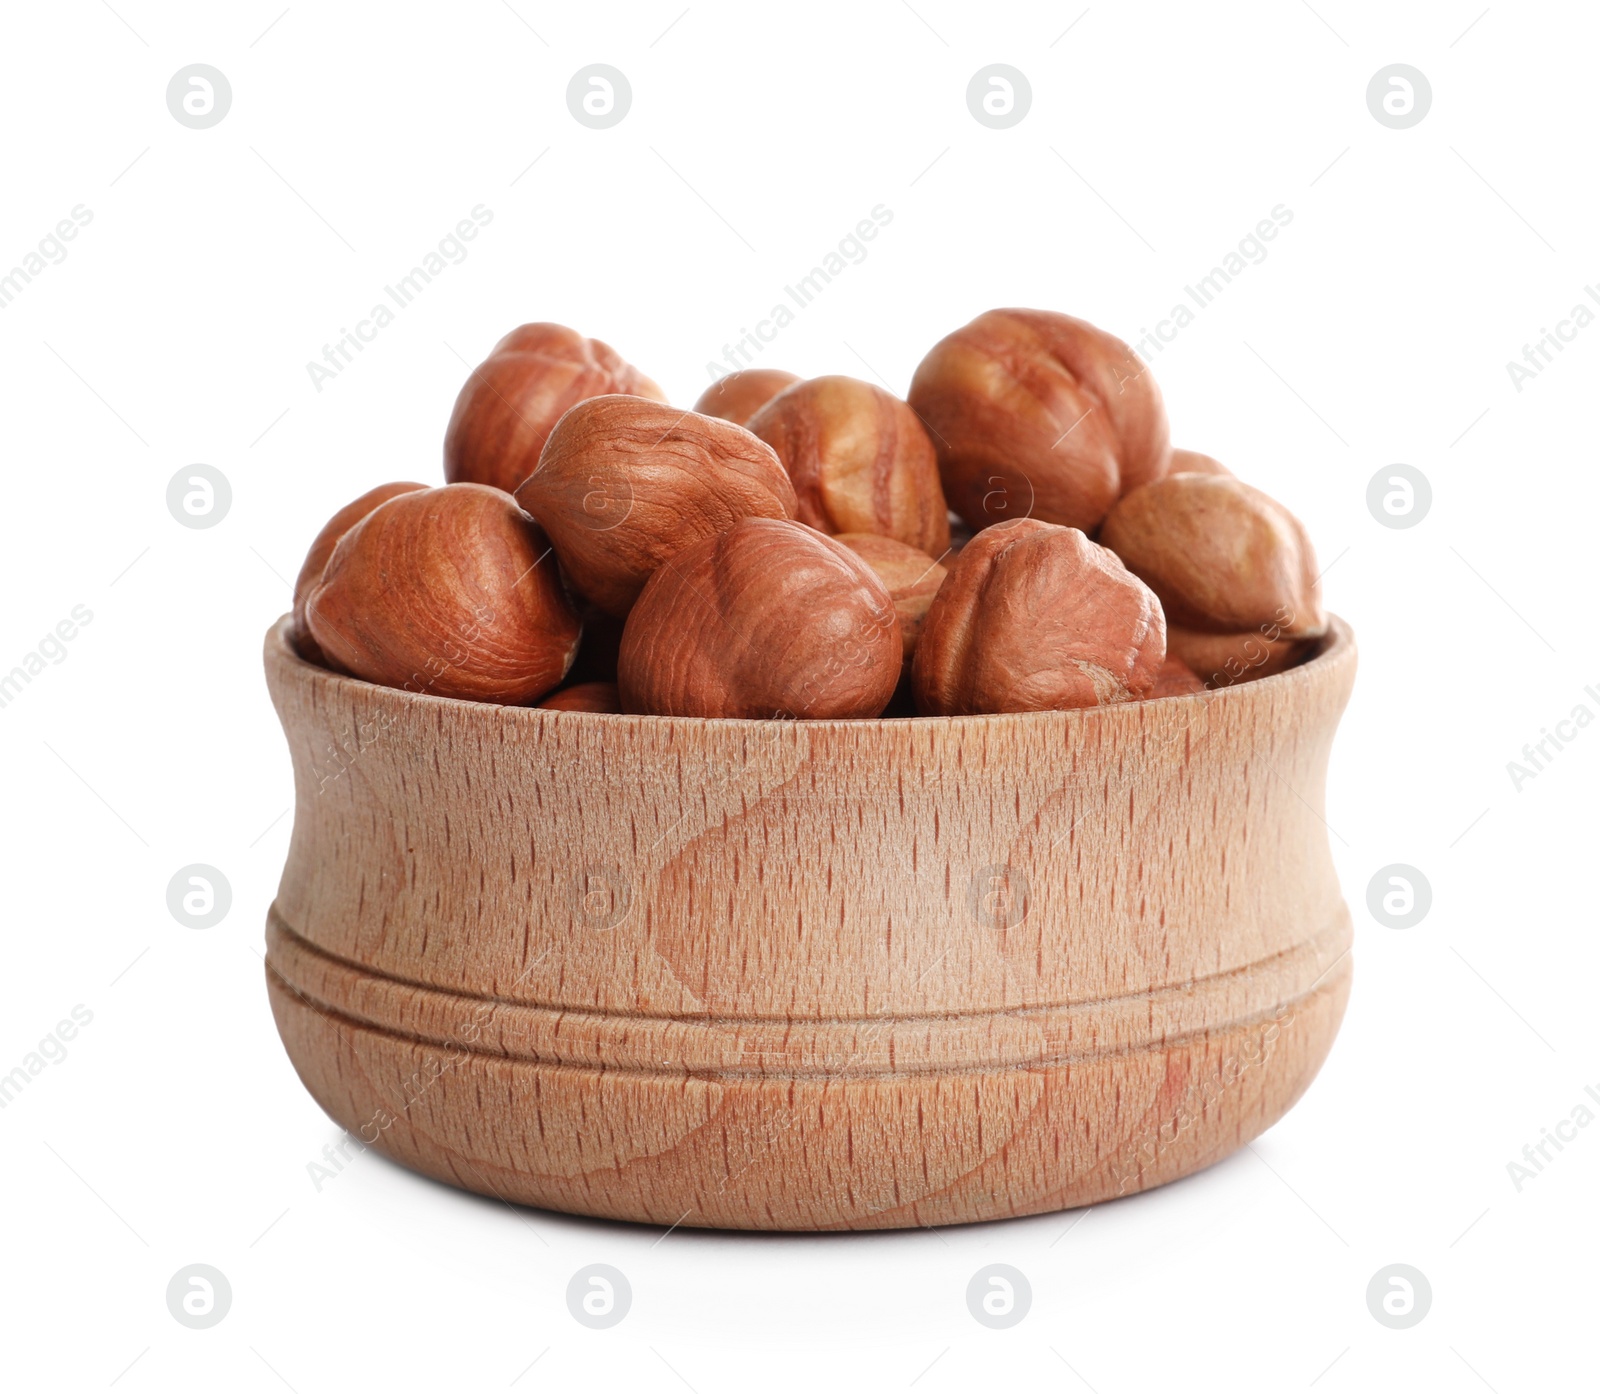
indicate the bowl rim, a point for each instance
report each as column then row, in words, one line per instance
column 1337, row 645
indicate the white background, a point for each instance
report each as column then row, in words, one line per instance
column 1377, row 331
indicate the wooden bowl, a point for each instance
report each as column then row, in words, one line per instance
column 808, row 975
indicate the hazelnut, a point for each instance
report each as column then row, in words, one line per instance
column 860, row 461
column 739, row 396
column 768, row 619
column 1175, row 678
column 1039, row 415
column 1223, row 557
column 1222, row 660
column 584, row 697
column 912, row 577
column 625, row 483
column 508, row 406
column 1193, row 462
column 1034, row 617
column 452, row 592
column 317, row 558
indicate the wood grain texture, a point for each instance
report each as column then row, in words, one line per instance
column 823, row 975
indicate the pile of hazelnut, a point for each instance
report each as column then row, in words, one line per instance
column 1016, row 535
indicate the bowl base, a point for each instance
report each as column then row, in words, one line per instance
column 797, row 1150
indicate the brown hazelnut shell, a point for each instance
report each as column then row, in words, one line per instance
column 1035, row 617
column 625, row 483
column 1175, row 678
column 584, row 697
column 452, row 592
column 768, row 619
column 860, row 461
column 1225, row 660
column 740, row 395
column 1036, row 414
column 321, row 549
column 1222, row 556
column 511, row 402
column 912, row 577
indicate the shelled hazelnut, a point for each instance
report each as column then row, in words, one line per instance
column 512, row 400
column 912, row 577
column 1175, row 678
column 740, row 395
column 322, row 548
column 623, row 484
column 859, row 459
column 768, row 619
column 451, row 592
column 584, row 697
column 1039, row 415
column 1223, row 660
column 1223, row 557
column 1032, row 617
column 1017, row 535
